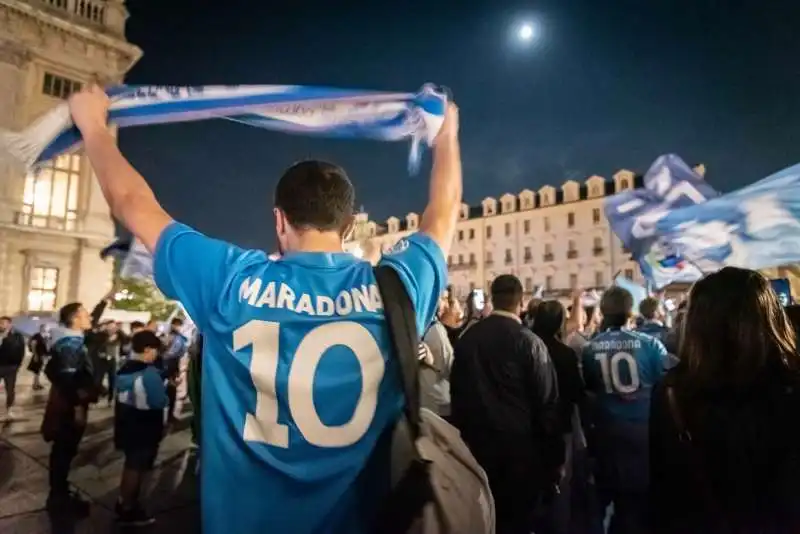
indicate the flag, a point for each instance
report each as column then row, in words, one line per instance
column 755, row 228
column 324, row 111
column 117, row 250
column 638, row 292
column 138, row 263
column 634, row 215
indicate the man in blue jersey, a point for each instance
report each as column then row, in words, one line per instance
column 652, row 319
column 620, row 368
column 298, row 377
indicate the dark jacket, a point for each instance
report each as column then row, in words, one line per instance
column 12, row 349
column 139, row 407
column 741, row 470
column 504, row 399
column 70, row 369
column 571, row 389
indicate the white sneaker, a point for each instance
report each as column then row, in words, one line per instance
column 10, row 415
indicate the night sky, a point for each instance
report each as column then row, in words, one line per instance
column 606, row 84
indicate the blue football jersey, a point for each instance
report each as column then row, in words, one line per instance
column 298, row 377
column 655, row 329
column 621, row 367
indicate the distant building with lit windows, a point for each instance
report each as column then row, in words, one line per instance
column 54, row 223
column 557, row 238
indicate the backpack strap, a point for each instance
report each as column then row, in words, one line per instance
column 413, row 489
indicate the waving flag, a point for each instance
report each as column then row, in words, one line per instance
column 294, row 109
column 756, row 227
column 669, row 184
column 639, row 293
column 138, row 263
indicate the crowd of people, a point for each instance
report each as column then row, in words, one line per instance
column 88, row 361
column 583, row 420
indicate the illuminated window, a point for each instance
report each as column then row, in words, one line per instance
column 50, row 199
column 59, row 86
column 43, row 287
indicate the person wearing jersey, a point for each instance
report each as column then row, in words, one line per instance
column 652, row 319
column 620, row 368
column 298, row 377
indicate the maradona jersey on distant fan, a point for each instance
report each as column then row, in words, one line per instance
column 621, row 367
column 298, row 378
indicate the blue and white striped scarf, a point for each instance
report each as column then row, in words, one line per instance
column 323, row 111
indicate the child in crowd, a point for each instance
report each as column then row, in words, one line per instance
column 138, row 423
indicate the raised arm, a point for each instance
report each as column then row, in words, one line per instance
column 444, row 201
column 131, row 200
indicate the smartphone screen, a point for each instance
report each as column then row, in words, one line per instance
column 783, row 288
column 478, row 299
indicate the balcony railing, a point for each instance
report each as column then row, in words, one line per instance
column 548, row 257
column 528, row 258
column 598, row 251
column 509, row 261
column 572, row 254
column 67, row 224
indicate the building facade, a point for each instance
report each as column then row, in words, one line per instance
column 556, row 238
column 54, row 223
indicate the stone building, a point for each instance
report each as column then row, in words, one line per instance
column 555, row 237
column 54, row 223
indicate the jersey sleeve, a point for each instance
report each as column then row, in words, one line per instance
column 661, row 358
column 193, row 269
column 421, row 265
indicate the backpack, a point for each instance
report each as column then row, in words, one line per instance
column 437, row 485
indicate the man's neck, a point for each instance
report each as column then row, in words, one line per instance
column 311, row 241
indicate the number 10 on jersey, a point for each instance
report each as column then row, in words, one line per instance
column 610, row 367
column 263, row 426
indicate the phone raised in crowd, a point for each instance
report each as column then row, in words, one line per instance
column 783, row 288
column 478, row 299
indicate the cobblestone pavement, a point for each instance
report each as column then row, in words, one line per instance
column 172, row 496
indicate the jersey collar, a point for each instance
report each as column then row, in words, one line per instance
column 321, row 259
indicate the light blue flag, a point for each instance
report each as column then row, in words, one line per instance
column 343, row 113
column 633, row 215
column 756, row 227
column 639, row 293
column 138, row 263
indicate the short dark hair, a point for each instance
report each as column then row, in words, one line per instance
column 316, row 195
column 6, row 318
column 137, row 324
column 177, row 321
column 66, row 315
column 550, row 320
column 506, row 292
column 616, row 306
column 648, row 307
column 146, row 339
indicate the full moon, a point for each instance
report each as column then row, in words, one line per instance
column 526, row 32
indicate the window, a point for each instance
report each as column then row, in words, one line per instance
column 42, row 289
column 548, row 283
column 50, row 199
column 548, row 248
column 572, row 252
column 529, row 284
column 61, row 4
column 461, row 235
column 488, row 232
column 629, row 274
column 526, row 227
column 471, row 234
column 527, row 254
column 508, row 229
column 596, row 215
column 595, row 191
column 58, row 86
column 623, row 184
column 570, row 220
column 472, row 259
column 547, row 224
column 460, row 259
column 489, row 258
column 89, row 10
column 598, row 278
column 598, row 246
column 449, row 260
column 471, row 287
column 509, row 258
column 573, row 281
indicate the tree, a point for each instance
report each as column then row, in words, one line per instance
column 136, row 294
